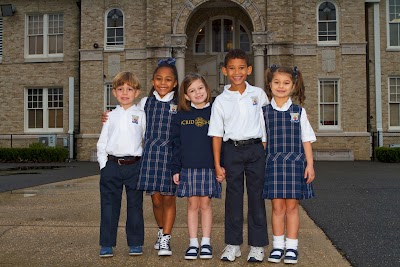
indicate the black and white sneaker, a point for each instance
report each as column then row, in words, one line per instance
column 159, row 235
column 165, row 248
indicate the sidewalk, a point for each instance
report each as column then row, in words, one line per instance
column 58, row 225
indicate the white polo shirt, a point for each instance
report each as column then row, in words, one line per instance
column 307, row 132
column 122, row 134
column 238, row 116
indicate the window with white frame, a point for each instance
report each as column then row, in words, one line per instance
column 44, row 109
column 220, row 35
column 394, row 102
column 327, row 23
column 109, row 99
column 1, row 39
column 329, row 105
column 394, row 23
column 44, row 35
column 114, row 29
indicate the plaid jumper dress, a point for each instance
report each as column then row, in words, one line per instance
column 155, row 166
column 285, row 158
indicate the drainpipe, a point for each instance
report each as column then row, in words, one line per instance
column 378, row 82
column 71, row 112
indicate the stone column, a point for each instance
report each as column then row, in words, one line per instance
column 258, row 68
column 179, row 55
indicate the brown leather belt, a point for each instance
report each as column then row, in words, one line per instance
column 124, row 160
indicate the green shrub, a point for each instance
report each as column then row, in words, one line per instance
column 386, row 154
column 35, row 153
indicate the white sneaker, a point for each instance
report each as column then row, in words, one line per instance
column 165, row 248
column 230, row 253
column 159, row 235
column 256, row 254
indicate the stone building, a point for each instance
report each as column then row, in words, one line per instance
column 58, row 58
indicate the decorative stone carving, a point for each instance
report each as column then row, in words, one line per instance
column 189, row 5
column 114, row 65
column 258, row 49
column 179, row 52
column 328, row 60
column 304, row 50
column 158, row 52
column 176, row 40
column 89, row 55
column 280, row 49
column 354, row 49
column 135, row 53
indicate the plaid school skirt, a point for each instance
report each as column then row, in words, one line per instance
column 198, row 182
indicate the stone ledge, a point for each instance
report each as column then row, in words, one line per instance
column 334, row 155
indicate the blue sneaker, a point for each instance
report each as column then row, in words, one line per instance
column 135, row 250
column 291, row 256
column 106, row 252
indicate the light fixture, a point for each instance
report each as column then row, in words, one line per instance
column 7, row 10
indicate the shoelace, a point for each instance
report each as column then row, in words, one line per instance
column 164, row 243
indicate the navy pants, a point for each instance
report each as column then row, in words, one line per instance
column 113, row 178
column 239, row 162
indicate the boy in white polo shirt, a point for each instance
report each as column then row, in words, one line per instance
column 237, row 120
column 118, row 152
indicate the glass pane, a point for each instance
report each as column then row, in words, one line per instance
column 228, row 34
column 32, row 45
column 216, row 36
column 114, row 18
column 39, row 44
column 52, row 44
column 394, row 114
column 60, row 46
column 59, row 118
column 394, row 29
column 39, row 118
column 52, row 120
column 200, row 41
column 31, row 118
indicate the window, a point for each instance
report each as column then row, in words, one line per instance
column 222, row 35
column 1, row 39
column 109, row 99
column 327, row 23
column 394, row 102
column 200, row 40
column 329, row 106
column 44, row 35
column 394, row 23
column 44, row 109
column 114, row 29
column 244, row 40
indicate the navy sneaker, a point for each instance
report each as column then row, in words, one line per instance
column 206, row 252
column 106, row 252
column 276, row 255
column 191, row 255
column 135, row 250
column 291, row 258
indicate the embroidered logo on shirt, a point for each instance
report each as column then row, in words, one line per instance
column 255, row 100
column 135, row 119
column 199, row 122
column 173, row 108
column 294, row 117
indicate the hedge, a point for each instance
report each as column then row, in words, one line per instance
column 386, row 154
column 35, row 153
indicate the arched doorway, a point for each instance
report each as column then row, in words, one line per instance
column 212, row 29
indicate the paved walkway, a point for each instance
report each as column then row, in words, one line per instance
column 58, row 225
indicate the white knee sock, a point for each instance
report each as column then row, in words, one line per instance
column 291, row 244
column 279, row 243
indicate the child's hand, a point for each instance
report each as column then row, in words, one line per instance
column 220, row 173
column 176, row 178
column 309, row 173
column 104, row 117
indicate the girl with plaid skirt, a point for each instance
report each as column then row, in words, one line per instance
column 289, row 160
column 155, row 165
column 193, row 163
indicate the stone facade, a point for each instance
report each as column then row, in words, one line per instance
column 282, row 32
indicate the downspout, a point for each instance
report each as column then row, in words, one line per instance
column 78, row 130
column 367, row 69
column 378, row 82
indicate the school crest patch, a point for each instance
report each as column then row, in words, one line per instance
column 135, row 119
column 173, row 108
column 295, row 117
column 254, row 99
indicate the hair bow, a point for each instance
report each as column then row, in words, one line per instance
column 273, row 67
column 169, row 61
column 295, row 72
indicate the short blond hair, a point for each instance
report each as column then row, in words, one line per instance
column 126, row 77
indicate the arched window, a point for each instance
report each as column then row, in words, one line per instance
column 327, row 23
column 200, row 40
column 114, row 29
column 218, row 35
